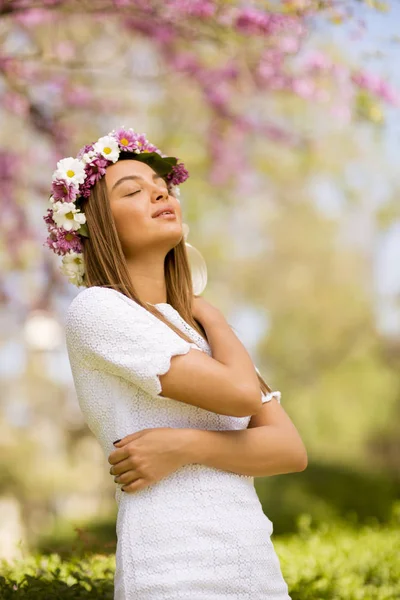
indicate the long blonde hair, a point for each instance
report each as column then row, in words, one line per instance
column 105, row 265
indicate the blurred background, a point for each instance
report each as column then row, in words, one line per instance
column 286, row 115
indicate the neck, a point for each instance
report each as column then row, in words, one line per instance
column 148, row 279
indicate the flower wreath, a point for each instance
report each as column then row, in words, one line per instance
column 73, row 180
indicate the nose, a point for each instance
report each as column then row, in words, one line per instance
column 160, row 193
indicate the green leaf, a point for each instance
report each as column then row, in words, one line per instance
column 83, row 230
column 162, row 165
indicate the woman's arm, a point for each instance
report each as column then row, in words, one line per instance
column 270, row 446
column 225, row 382
column 264, row 449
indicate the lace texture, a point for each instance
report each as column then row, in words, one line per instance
column 200, row 533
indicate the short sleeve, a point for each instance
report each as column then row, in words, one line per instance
column 268, row 397
column 108, row 331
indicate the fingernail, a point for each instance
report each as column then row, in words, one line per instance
column 116, row 441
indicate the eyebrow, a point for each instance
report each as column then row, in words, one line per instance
column 155, row 176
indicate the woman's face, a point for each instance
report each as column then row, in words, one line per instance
column 135, row 192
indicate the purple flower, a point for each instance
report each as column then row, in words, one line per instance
column 178, row 174
column 83, row 150
column 48, row 218
column 94, row 172
column 63, row 191
column 61, row 241
column 85, row 187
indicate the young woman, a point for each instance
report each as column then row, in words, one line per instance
column 161, row 371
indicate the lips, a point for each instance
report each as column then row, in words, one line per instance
column 166, row 207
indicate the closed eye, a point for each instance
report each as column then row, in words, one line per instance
column 132, row 193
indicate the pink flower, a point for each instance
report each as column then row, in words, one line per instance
column 48, row 218
column 96, row 169
column 374, row 84
column 253, row 21
column 61, row 241
column 178, row 175
column 83, row 150
column 145, row 146
column 63, row 191
column 127, row 140
column 94, row 172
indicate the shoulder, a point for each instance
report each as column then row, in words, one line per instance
column 83, row 305
column 97, row 299
column 97, row 306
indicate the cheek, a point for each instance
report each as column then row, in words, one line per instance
column 130, row 223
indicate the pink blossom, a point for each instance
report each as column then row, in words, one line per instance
column 318, row 61
column 194, row 8
column 78, row 96
column 303, row 87
column 9, row 166
column 375, row 84
column 16, row 103
column 63, row 191
column 96, row 169
column 253, row 21
column 94, row 172
column 289, row 45
column 178, row 175
column 185, row 62
column 34, row 16
column 84, row 149
column 48, row 218
column 144, row 145
column 61, row 241
column 127, row 140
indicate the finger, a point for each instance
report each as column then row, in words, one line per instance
column 121, row 467
column 139, row 484
column 117, row 455
column 129, row 438
column 127, row 477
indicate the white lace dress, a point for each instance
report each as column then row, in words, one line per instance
column 199, row 533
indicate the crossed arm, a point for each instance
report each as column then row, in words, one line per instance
column 270, row 445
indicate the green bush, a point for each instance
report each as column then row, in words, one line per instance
column 48, row 577
column 338, row 561
column 331, row 561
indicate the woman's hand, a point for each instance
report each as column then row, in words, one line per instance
column 203, row 310
column 145, row 457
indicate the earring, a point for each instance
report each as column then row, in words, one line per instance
column 198, row 267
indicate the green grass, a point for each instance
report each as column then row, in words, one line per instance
column 332, row 561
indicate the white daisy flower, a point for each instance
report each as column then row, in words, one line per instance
column 73, row 267
column 108, row 147
column 89, row 156
column 66, row 215
column 71, row 170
